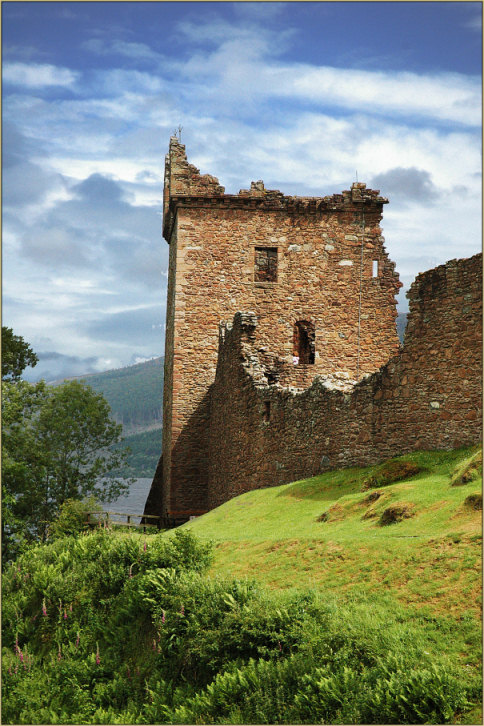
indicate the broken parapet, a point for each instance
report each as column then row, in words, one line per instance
column 184, row 179
column 183, row 182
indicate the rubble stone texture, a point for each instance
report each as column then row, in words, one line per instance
column 428, row 396
column 313, row 272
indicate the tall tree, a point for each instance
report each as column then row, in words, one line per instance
column 16, row 355
column 57, row 444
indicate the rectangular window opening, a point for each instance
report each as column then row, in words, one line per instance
column 375, row 269
column 265, row 264
column 303, row 342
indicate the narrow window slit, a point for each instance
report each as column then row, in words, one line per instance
column 375, row 269
column 304, row 342
column 267, row 411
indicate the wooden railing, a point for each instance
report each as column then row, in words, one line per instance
column 98, row 519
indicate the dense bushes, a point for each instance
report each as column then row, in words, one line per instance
column 113, row 628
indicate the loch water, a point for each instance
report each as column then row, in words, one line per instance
column 134, row 502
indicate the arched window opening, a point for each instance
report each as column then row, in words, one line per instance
column 304, row 342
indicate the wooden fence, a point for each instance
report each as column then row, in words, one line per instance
column 106, row 519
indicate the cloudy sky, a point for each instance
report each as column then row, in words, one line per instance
column 306, row 96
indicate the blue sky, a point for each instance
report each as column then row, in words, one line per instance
column 302, row 95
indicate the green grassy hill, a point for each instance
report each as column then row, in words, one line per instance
column 328, row 533
column 356, row 600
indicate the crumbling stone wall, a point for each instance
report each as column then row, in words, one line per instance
column 428, row 396
column 325, row 249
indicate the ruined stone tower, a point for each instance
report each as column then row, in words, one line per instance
column 313, row 270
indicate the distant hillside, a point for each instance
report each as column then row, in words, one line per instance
column 145, row 452
column 135, row 394
column 401, row 325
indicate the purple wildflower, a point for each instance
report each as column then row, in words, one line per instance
column 44, row 609
column 98, row 657
column 182, row 611
column 163, row 617
column 144, row 547
column 77, row 639
column 65, row 614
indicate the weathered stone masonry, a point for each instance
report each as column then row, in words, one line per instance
column 316, row 275
column 428, row 396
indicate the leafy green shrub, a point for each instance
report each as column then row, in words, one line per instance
column 391, row 472
column 388, row 693
column 108, row 628
column 286, row 691
column 72, row 583
column 72, row 517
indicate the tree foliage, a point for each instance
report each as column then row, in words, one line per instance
column 56, row 445
column 16, row 355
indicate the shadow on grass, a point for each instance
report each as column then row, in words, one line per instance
column 332, row 485
column 327, row 487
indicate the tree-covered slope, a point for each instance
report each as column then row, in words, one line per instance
column 145, row 450
column 135, row 394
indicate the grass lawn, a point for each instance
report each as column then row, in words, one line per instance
column 431, row 559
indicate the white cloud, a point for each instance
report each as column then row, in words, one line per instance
column 446, row 96
column 83, row 249
column 237, row 69
column 135, row 51
column 38, row 75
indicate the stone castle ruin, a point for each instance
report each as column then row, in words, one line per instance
column 282, row 358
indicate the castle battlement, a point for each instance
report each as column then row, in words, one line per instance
column 185, row 187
